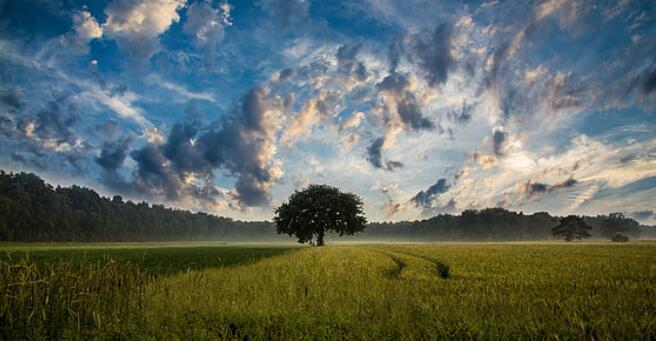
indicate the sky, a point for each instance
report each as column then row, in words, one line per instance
column 419, row 107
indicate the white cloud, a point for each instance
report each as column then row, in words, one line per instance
column 181, row 91
column 122, row 104
column 207, row 23
column 86, row 27
column 136, row 26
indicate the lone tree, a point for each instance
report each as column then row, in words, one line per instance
column 317, row 210
column 572, row 227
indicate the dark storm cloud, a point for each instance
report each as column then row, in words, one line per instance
column 47, row 139
column 375, row 156
column 249, row 192
column 434, row 55
column 180, row 150
column 649, row 84
column 430, row 52
column 462, row 115
column 286, row 74
column 394, row 53
column 498, row 142
column 113, row 154
column 153, row 176
column 642, row 215
column 236, row 144
column 425, row 199
column 347, row 62
column 56, row 121
column 537, row 188
column 10, row 99
column 374, row 152
column 407, row 106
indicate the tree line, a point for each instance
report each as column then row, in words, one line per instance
column 497, row 224
column 33, row 211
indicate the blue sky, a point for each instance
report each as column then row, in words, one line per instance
column 420, row 107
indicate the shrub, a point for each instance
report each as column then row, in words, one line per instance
column 620, row 238
column 442, row 269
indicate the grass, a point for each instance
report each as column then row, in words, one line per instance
column 377, row 291
column 154, row 258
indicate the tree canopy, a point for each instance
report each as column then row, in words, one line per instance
column 572, row 227
column 618, row 224
column 33, row 211
column 318, row 209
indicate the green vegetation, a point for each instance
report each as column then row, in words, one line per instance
column 572, row 227
column 619, row 238
column 371, row 291
column 311, row 213
column 73, row 291
column 155, row 259
column 33, row 211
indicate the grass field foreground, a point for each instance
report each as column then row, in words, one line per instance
column 491, row 291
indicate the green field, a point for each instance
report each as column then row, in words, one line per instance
column 356, row 291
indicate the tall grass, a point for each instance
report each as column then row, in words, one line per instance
column 70, row 299
column 497, row 291
column 452, row 291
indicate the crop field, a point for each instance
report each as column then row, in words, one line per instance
column 356, row 291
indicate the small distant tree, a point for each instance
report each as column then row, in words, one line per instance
column 619, row 238
column 318, row 209
column 572, row 227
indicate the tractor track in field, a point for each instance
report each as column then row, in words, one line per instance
column 442, row 269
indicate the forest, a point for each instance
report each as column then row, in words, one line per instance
column 32, row 210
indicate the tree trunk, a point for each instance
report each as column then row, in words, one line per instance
column 320, row 238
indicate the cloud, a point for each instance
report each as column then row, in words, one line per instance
column 375, row 157
column 313, row 111
column 348, row 64
column 85, row 26
column 461, row 115
column 207, row 23
column 391, row 206
column 53, row 126
column 46, row 139
column 642, row 215
column 136, row 26
column 153, row 175
column 109, row 130
column 536, row 188
column 649, row 83
column 434, row 55
column 498, row 142
column 286, row 13
column 85, row 29
column 113, row 154
column 398, row 96
column 11, row 99
column 121, row 103
column 182, row 92
column 352, row 121
column 241, row 144
column 426, row 199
